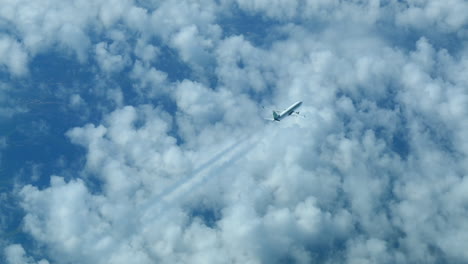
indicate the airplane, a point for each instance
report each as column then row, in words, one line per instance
column 289, row 111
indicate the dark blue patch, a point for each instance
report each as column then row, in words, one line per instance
column 254, row 28
column 209, row 216
column 49, row 148
column 405, row 38
column 400, row 145
column 170, row 63
column 389, row 101
column 37, row 137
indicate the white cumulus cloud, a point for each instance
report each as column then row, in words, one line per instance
column 187, row 170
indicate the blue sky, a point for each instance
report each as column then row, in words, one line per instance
column 134, row 131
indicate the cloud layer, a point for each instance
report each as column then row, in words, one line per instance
column 180, row 166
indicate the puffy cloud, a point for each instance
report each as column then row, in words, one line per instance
column 447, row 17
column 374, row 173
column 13, row 56
column 109, row 58
column 132, row 134
column 15, row 254
column 242, row 67
column 319, row 11
column 51, row 22
column 276, row 9
column 76, row 101
column 145, row 51
column 149, row 82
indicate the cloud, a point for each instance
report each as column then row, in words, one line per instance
column 107, row 60
column 242, row 67
column 448, row 17
column 13, row 56
column 149, row 82
column 16, row 254
column 276, row 9
column 40, row 26
column 184, row 169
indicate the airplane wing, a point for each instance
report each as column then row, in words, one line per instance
column 298, row 114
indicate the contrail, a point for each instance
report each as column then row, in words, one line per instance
column 242, row 152
column 196, row 178
column 195, row 182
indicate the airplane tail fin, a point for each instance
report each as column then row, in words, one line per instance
column 275, row 116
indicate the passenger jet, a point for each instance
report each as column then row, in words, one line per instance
column 289, row 111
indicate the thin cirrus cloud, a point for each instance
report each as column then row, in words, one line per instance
column 180, row 167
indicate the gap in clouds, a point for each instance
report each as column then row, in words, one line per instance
column 405, row 39
column 36, row 146
column 258, row 30
column 55, row 95
column 36, row 135
column 169, row 62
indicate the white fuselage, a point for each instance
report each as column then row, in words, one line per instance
column 288, row 111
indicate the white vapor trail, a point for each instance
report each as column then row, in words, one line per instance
column 201, row 175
